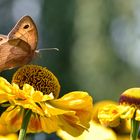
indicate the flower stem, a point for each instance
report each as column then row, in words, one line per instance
column 25, row 121
column 134, row 129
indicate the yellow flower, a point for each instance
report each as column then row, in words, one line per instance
column 99, row 105
column 48, row 113
column 123, row 127
column 129, row 107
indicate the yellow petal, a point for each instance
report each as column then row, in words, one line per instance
column 5, row 85
column 12, row 117
column 50, row 110
column 71, row 125
column 81, row 104
column 137, row 115
column 3, row 97
column 29, row 104
column 39, row 97
column 34, row 124
column 127, row 112
column 77, row 101
column 5, row 89
column 50, row 124
column 74, row 100
column 28, row 89
column 4, row 129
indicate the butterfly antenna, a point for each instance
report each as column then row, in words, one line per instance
column 47, row 49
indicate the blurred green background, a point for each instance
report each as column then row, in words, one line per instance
column 98, row 41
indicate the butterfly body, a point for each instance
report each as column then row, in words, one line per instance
column 19, row 46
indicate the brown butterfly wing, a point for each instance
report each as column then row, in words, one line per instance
column 14, row 53
column 26, row 30
column 18, row 48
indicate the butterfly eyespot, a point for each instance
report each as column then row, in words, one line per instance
column 26, row 26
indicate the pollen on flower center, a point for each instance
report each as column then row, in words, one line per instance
column 38, row 77
column 131, row 97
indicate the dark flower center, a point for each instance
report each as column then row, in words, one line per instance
column 38, row 77
column 124, row 99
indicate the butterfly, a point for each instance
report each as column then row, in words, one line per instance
column 19, row 46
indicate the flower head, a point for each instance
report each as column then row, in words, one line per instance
column 35, row 88
column 99, row 105
column 128, row 108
